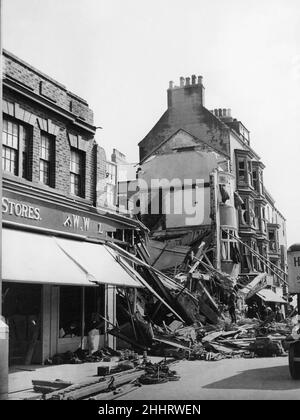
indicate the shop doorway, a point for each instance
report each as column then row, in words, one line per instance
column 22, row 304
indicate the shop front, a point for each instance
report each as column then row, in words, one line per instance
column 59, row 277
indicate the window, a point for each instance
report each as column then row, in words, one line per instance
column 250, row 177
column 241, row 170
column 261, row 182
column 257, row 211
column 263, row 220
column 271, row 235
column 46, row 159
column 76, row 173
column 247, row 213
column 273, row 241
column 229, row 246
column 255, row 180
column 10, row 138
column 79, row 305
column 15, row 138
column 244, row 170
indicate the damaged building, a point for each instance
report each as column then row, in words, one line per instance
column 91, row 258
column 204, row 158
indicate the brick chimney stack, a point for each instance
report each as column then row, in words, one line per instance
column 190, row 92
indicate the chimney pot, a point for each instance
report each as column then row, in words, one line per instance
column 187, row 81
column 224, row 112
column 181, row 81
column 193, row 79
column 200, row 78
column 228, row 112
column 220, row 112
column 216, row 112
column 171, row 85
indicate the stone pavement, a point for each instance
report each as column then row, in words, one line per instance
column 259, row 378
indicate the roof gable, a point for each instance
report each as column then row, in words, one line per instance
column 196, row 120
column 182, row 141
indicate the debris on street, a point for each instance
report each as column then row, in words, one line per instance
column 191, row 312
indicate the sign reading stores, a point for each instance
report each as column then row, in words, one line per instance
column 53, row 218
column 20, row 209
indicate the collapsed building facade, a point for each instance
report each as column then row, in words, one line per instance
column 225, row 191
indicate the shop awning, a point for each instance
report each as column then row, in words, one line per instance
column 35, row 258
column 269, row 296
column 99, row 262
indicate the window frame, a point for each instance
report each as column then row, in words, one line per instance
column 21, row 151
column 48, row 160
column 242, row 171
column 77, row 174
column 226, row 241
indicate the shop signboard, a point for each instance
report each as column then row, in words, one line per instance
column 21, row 210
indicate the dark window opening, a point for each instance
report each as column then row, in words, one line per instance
column 241, row 170
column 69, row 311
column 81, row 305
column 22, row 305
column 46, row 160
column 77, row 173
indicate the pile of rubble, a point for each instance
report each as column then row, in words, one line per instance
column 248, row 338
column 110, row 383
column 105, row 354
column 191, row 311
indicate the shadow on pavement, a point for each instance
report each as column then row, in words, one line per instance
column 271, row 378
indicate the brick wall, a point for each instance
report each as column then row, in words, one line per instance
column 186, row 112
column 63, row 132
column 40, row 84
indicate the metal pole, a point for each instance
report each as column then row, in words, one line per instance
column 264, row 259
column 82, row 316
column 3, row 327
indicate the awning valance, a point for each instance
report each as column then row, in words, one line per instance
column 35, row 258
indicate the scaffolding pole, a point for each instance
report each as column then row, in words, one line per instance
column 261, row 258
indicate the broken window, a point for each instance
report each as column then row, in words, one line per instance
column 273, row 241
column 229, row 247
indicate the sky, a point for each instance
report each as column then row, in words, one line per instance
column 121, row 54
